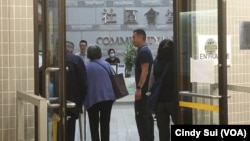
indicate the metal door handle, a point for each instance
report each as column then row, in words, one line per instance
column 187, row 93
column 56, row 105
column 53, row 99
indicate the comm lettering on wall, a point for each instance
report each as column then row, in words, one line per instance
column 151, row 40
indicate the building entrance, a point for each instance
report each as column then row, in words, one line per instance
column 203, row 51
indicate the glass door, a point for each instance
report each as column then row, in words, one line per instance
column 50, row 47
column 55, row 68
column 198, row 42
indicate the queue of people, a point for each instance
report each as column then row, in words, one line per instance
column 89, row 85
column 86, row 71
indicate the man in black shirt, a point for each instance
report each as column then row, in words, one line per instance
column 143, row 63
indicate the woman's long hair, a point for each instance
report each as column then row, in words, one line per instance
column 165, row 50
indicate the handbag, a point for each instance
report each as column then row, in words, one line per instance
column 154, row 89
column 118, row 83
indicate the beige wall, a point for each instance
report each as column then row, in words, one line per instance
column 239, row 72
column 16, row 62
column 17, row 70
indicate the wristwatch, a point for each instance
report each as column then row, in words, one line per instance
column 138, row 87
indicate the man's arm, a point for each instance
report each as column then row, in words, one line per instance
column 144, row 74
column 143, row 77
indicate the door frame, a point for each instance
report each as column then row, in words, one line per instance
column 62, row 66
column 183, row 5
column 61, row 57
column 37, row 23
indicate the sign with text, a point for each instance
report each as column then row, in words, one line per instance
column 208, row 48
column 210, row 132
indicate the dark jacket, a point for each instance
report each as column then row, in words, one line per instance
column 115, row 61
column 167, row 89
column 76, row 81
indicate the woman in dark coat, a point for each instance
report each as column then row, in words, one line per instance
column 167, row 103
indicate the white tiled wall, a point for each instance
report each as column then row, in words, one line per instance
column 239, row 72
column 204, row 22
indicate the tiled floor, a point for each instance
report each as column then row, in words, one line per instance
column 122, row 125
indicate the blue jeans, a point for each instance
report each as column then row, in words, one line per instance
column 144, row 120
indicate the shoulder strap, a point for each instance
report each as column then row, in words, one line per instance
column 151, row 77
column 109, row 72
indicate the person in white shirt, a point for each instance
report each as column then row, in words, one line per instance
column 83, row 44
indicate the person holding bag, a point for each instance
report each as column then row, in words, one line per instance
column 100, row 95
column 167, row 101
column 154, row 89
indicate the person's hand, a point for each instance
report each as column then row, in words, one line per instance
column 138, row 94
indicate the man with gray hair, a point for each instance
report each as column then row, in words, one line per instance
column 76, row 88
column 69, row 46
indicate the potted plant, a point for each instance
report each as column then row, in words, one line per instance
column 130, row 52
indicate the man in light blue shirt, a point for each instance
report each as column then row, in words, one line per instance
column 83, row 44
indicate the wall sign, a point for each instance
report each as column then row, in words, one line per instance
column 169, row 16
column 108, row 16
column 130, row 16
column 244, row 35
column 151, row 16
column 208, row 48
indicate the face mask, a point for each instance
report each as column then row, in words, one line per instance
column 112, row 55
